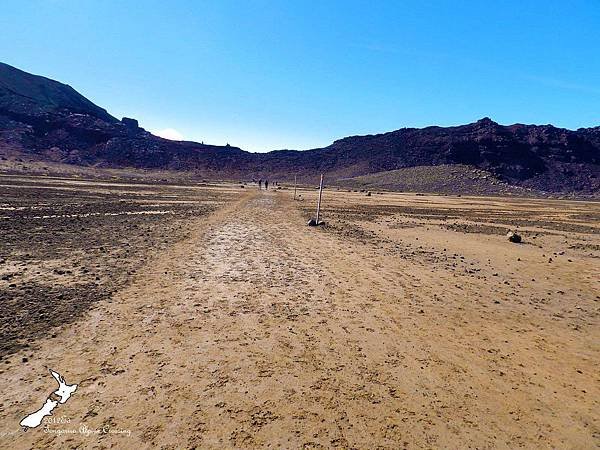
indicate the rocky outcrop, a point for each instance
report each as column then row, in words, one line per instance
column 130, row 124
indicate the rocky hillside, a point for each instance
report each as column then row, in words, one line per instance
column 25, row 95
column 442, row 179
column 544, row 158
column 44, row 120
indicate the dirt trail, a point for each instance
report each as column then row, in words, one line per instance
column 261, row 332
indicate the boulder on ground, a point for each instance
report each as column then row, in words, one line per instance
column 513, row 237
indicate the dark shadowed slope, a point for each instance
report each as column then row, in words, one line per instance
column 47, row 120
column 30, row 95
column 541, row 157
column 42, row 119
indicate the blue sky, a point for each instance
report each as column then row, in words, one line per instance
column 267, row 75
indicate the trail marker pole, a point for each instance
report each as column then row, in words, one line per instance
column 319, row 201
column 295, row 176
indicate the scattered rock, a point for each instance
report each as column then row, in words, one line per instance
column 513, row 237
column 313, row 222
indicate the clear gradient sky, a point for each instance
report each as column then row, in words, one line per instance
column 267, row 75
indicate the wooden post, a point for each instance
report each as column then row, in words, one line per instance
column 295, row 176
column 319, row 202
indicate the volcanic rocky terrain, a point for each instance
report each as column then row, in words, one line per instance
column 44, row 121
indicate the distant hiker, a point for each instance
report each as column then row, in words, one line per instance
column 260, row 184
column 266, row 184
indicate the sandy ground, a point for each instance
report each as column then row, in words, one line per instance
column 408, row 322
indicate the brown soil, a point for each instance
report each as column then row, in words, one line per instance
column 383, row 329
column 67, row 244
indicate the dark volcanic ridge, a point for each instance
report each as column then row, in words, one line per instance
column 44, row 120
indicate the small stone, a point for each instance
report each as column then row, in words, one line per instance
column 513, row 237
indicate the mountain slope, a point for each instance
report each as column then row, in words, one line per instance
column 443, row 179
column 27, row 94
column 45, row 120
column 541, row 157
